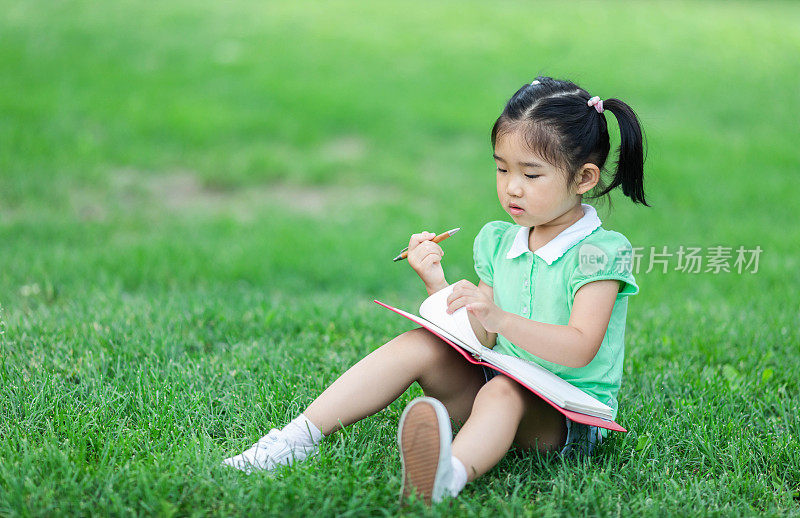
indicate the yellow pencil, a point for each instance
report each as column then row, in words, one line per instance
column 437, row 239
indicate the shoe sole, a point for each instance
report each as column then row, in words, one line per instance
column 420, row 441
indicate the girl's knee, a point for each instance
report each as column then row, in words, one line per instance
column 502, row 389
column 420, row 345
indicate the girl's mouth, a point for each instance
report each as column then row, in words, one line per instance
column 514, row 209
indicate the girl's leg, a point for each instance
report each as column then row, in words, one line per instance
column 367, row 387
column 504, row 412
column 382, row 376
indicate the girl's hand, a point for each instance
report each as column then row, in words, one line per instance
column 425, row 257
column 477, row 303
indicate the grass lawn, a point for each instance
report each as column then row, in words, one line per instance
column 200, row 200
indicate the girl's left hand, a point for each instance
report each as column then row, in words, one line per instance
column 485, row 310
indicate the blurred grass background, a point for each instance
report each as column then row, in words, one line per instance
column 199, row 201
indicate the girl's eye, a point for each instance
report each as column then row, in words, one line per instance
column 501, row 170
column 533, row 175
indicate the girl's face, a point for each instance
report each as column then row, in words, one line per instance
column 538, row 189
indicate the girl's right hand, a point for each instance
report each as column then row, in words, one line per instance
column 425, row 257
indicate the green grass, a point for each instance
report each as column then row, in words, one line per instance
column 199, row 201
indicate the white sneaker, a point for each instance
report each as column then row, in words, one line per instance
column 424, row 437
column 270, row 452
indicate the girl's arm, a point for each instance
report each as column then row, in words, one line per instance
column 572, row 345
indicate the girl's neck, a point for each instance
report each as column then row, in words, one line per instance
column 540, row 235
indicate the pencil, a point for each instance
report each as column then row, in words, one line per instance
column 437, row 239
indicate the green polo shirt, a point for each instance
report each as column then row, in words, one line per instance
column 542, row 287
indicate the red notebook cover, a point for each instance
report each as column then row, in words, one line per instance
column 574, row 416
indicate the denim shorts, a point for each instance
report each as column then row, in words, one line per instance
column 581, row 438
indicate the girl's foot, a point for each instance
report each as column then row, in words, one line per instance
column 424, row 438
column 270, row 452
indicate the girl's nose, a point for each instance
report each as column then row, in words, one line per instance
column 514, row 187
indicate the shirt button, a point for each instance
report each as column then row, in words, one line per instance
column 526, row 284
column 525, row 309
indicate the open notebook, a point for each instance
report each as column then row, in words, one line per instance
column 456, row 330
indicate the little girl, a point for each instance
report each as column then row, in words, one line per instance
column 553, row 288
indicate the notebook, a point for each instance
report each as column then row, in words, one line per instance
column 455, row 329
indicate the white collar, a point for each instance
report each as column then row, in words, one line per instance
column 562, row 242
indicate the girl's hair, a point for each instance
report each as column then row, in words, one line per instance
column 557, row 124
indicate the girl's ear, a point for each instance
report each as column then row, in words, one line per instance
column 587, row 177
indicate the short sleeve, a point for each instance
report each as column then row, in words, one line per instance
column 484, row 249
column 609, row 258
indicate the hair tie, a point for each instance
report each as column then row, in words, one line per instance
column 535, row 82
column 597, row 103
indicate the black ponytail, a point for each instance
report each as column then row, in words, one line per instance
column 630, row 154
column 559, row 125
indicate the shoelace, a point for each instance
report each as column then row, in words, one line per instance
column 264, row 443
column 272, row 437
